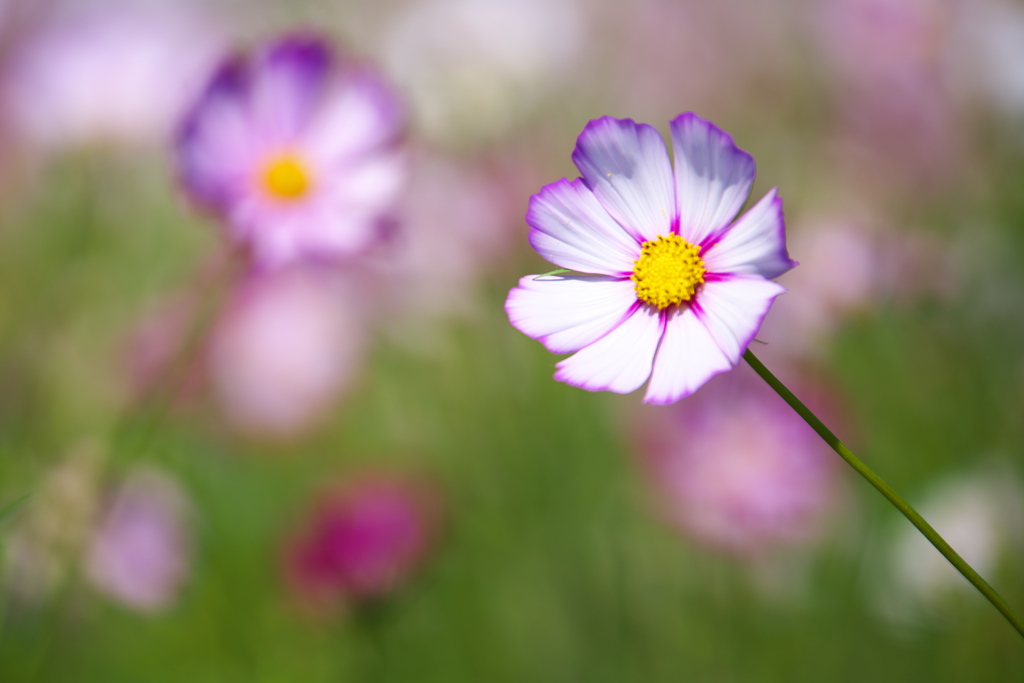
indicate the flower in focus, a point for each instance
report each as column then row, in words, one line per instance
column 297, row 150
column 101, row 72
column 672, row 288
column 285, row 349
column 735, row 468
column 362, row 540
column 139, row 554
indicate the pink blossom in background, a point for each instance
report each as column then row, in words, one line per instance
column 728, row 47
column 362, row 540
column 734, row 468
column 459, row 219
column 88, row 73
column 139, row 554
column 298, row 150
column 898, row 123
column 850, row 265
column 287, row 346
column 474, row 68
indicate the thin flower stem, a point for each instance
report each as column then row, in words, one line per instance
column 903, row 506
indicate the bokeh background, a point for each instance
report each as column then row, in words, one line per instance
column 364, row 473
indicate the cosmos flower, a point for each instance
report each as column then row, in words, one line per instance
column 668, row 286
column 735, row 469
column 362, row 540
column 297, row 150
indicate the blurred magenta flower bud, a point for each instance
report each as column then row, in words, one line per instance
column 362, row 540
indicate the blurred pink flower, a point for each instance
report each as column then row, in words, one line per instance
column 362, row 540
column 898, row 120
column 139, row 554
column 297, row 150
column 458, row 222
column 100, row 72
column 284, row 350
column 849, row 265
column 734, row 468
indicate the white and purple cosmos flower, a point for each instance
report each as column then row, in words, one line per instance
column 298, row 151
column 670, row 287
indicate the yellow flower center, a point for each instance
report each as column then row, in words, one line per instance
column 286, row 177
column 668, row 271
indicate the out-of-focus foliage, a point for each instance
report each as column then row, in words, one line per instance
column 184, row 428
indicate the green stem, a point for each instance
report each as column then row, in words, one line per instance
column 903, row 506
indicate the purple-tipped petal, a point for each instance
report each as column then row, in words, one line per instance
column 712, row 177
column 621, row 360
column 572, row 230
column 627, row 167
column 363, row 116
column 567, row 313
column 288, row 82
column 753, row 245
column 213, row 147
column 733, row 308
column 687, row 358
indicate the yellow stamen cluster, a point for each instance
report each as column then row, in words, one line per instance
column 668, row 271
column 286, row 177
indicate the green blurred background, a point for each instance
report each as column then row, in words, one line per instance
column 898, row 126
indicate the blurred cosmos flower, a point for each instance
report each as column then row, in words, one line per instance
column 101, row 72
column 736, row 469
column 297, row 150
column 139, row 553
column 980, row 514
column 674, row 289
column 55, row 523
column 284, row 350
column 475, row 67
column 362, row 540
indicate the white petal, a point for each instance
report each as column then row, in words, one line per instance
column 712, row 175
column 567, row 313
column 753, row 245
column 626, row 165
column 687, row 358
column 621, row 360
column 733, row 308
column 572, row 230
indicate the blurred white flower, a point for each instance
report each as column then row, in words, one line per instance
column 285, row 349
column 980, row 514
column 54, row 524
column 99, row 72
column 139, row 554
column 474, row 67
